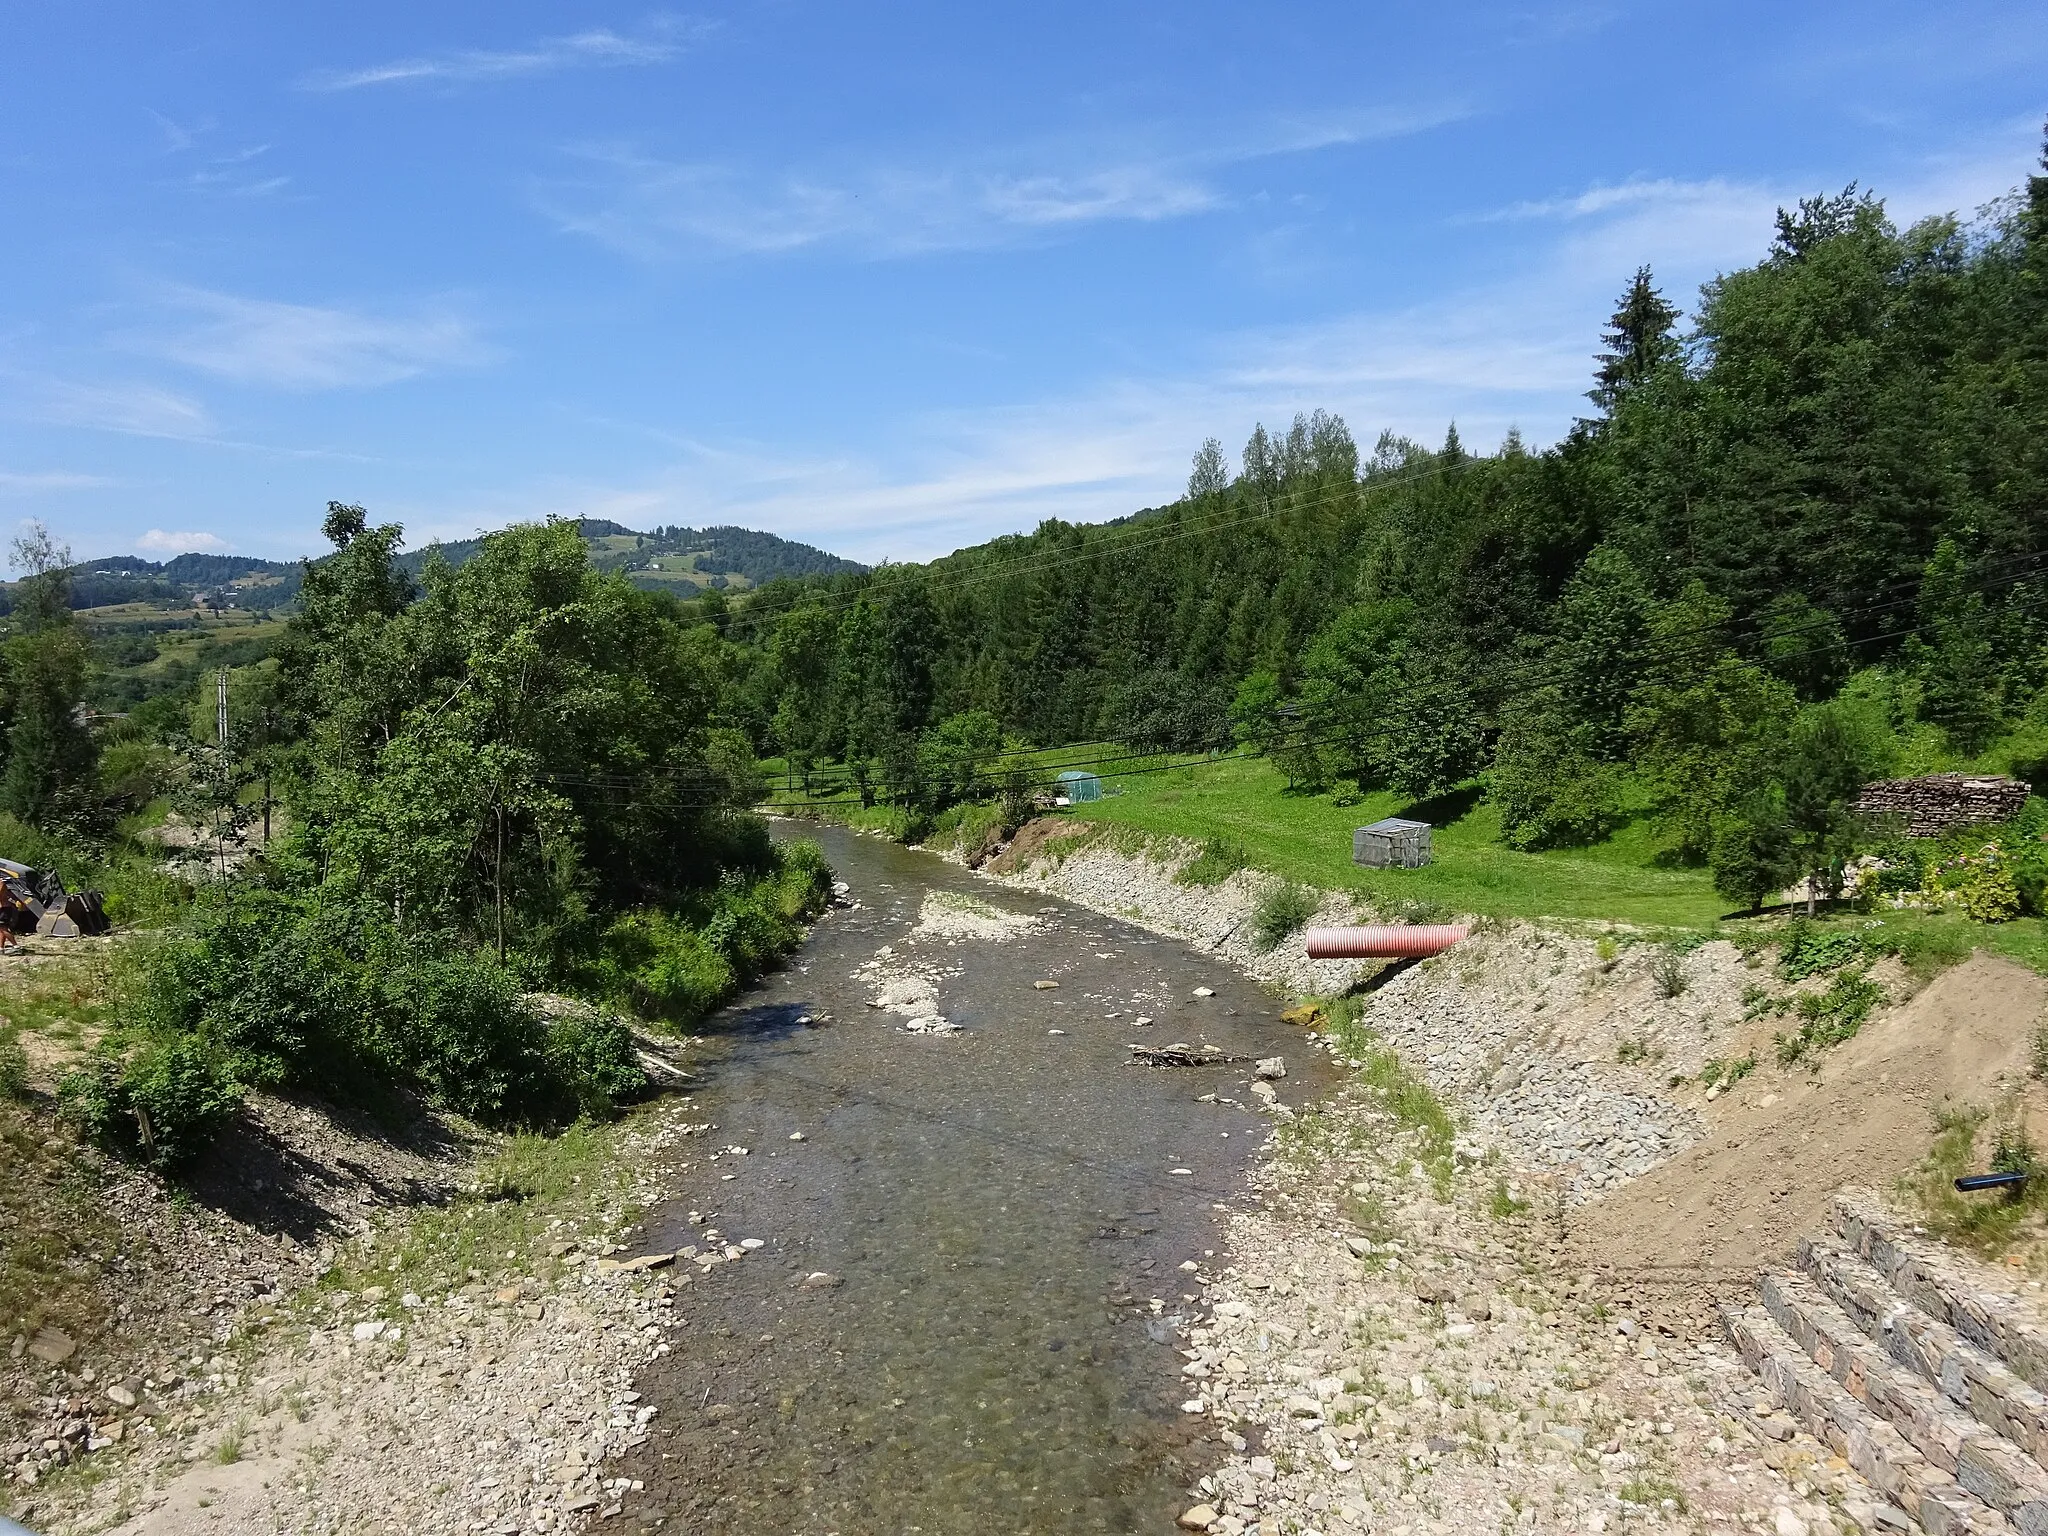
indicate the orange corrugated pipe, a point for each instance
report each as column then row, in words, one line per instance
column 1393, row 942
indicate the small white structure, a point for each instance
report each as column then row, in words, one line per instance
column 1391, row 843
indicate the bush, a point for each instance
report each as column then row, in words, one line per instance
column 803, row 882
column 1751, row 857
column 461, row 1029
column 1832, row 1016
column 1282, row 911
column 591, row 1054
column 1979, row 882
column 663, row 968
column 1667, row 969
column 161, row 1102
column 1810, row 949
column 1552, row 789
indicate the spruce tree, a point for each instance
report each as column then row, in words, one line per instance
column 1640, row 340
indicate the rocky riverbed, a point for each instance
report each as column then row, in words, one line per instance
column 1575, row 1055
column 920, row 1247
column 1394, row 1342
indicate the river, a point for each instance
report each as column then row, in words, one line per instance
column 1005, row 1213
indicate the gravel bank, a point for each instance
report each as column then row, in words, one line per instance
column 1380, row 1357
column 1559, row 1051
column 1392, row 1353
column 492, row 1405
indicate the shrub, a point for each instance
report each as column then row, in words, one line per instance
column 1832, row 1016
column 464, row 1033
column 1282, row 911
column 804, row 879
column 1019, row 804
column 1667, row 969
column 664, row 968
column 161, row 1102
column 2012, row 1149
column 1981, row 884
column 591, row 1054
column 1810, row 949
column 1552, row 788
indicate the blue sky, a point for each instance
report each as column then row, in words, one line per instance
column 887, row 278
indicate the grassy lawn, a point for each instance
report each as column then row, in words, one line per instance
column 1245, row 804
column 1308, row 838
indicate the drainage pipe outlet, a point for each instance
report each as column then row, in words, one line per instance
column 1392, row 942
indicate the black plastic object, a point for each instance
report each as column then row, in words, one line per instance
column 1975, row 1181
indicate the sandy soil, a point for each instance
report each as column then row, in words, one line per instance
column 1696, row 1228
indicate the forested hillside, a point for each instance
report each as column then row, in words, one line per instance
column 1796, row 542
column 685, row 561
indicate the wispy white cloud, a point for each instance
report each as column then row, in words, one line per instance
column 33, row 482
column 304, row 346
column 650, row 207
column 596, row 48
column 159, row 542
column 134, row 408
column 179, row 137
column 238, row 175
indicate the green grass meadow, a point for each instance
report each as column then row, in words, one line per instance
column 1244, row 803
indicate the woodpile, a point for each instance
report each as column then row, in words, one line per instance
column 1933, row 804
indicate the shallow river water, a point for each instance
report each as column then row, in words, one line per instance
column 1001, row 1209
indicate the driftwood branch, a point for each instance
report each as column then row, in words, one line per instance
column 1182, row 1056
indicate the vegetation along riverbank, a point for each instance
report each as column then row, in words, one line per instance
column 421, row 877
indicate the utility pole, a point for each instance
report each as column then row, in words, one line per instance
column 266, row 776
column 220, row 839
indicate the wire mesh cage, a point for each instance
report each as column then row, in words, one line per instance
column 1392, row 843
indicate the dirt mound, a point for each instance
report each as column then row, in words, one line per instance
column 1695, row 1229
column 1031, row 840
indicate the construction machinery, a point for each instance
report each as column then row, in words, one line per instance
column 35, row 901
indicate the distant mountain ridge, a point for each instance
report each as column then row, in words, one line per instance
column 675, row 559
